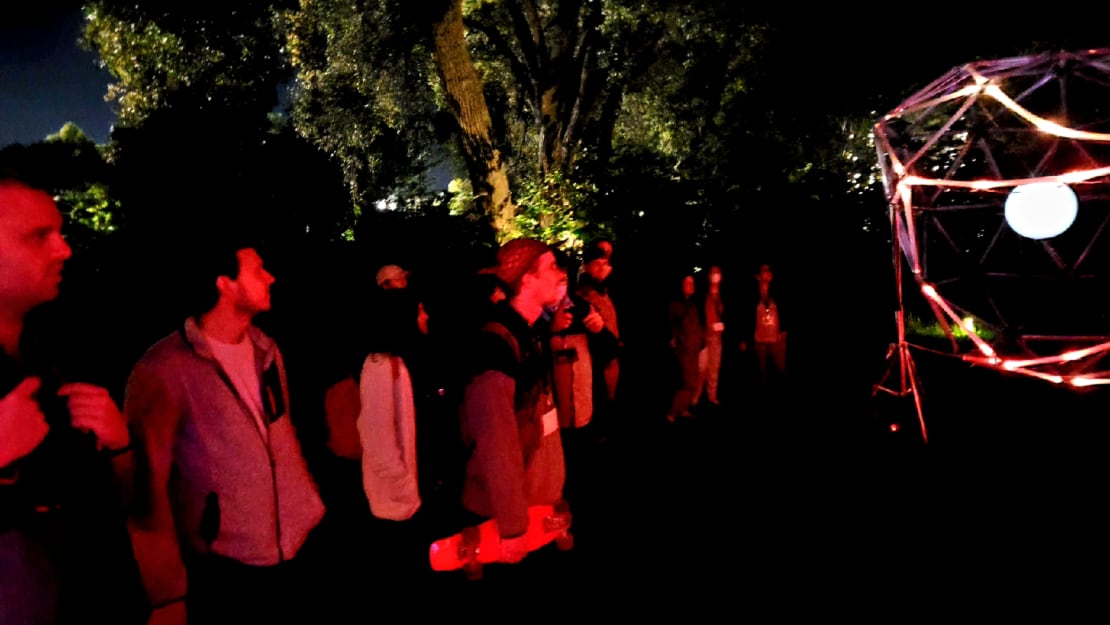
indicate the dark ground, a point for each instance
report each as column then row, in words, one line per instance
column 807, row 502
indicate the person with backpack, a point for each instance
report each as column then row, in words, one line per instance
column 508, row 417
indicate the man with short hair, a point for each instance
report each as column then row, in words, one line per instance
column 64, row 552
column 227, row 501
column 605, row 344
column 508, row 414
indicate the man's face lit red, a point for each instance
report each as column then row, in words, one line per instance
column 688, row 286
column 546, row 279
column 599, row 269
column 251, row 288
column 765, row 275
column 32, row 249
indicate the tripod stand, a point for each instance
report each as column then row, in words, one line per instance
column 899, row 353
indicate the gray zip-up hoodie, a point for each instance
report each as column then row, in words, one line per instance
column 233, row 491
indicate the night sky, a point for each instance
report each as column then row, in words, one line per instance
column 46, row 78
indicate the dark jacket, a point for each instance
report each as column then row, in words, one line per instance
column 65, row 555
column 508, row 420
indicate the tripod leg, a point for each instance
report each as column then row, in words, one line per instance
column 915, row 389
column 889, row 369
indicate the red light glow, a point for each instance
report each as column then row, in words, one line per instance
column 950, row 156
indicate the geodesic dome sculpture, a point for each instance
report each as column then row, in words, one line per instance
column 997, row 176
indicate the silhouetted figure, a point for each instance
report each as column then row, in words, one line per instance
column 65, row 556
column 688, row 342
column 709, row 361
column 768, row 334
column 605, row 344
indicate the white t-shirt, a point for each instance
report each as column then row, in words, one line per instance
column 237, row 361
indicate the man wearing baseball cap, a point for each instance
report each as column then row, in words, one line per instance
column 508, row 415
column 392, row 277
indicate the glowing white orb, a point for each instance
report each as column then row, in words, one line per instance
column 1041, row 210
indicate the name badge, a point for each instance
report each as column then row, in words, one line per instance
column 550, row 422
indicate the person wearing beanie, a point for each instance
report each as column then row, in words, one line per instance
column 605, row 344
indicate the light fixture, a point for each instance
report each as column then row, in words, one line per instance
column 1041, row 210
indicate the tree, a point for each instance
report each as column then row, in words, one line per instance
column 466, row 101
column 197, row 138
column 69, row 164
column 187, row 54
column 361, row 93
column 556, row 83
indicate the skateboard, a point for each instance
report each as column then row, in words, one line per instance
column 481, row 544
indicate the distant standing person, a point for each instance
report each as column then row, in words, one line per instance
column 709, row 364
column 768, row 336
column 604, row 345
column 688, row 343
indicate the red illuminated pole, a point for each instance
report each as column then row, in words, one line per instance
column 907, row 371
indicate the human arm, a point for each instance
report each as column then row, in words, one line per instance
column 390, row 485
column 341, row 408
column 93, row 410
column 491, row 422
column 154, row 419
column 22, row 424
column 561, row 319
column 593, row 321
column 675, row 316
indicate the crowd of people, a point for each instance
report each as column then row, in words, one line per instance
column 195, row 500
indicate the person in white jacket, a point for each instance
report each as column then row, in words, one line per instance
column 387, row 431
column 387, row 428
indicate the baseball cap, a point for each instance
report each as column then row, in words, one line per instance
column 390, row 272
column 515, row 258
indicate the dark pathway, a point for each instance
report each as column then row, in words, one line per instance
column 809, row 503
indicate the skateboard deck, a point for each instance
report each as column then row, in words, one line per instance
column 480, row 544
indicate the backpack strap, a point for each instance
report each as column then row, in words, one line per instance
column 499, row 329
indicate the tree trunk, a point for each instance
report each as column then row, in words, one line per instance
column 488, row 174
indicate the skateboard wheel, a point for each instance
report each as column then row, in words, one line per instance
column 473, row 571
column 565, row 542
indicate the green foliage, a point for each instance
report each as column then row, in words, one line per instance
column 462, row 201
column 70, row 133
column 92, row 207
column 178, row 52
column 555, row 210
column 362, row 93
column 915, row 326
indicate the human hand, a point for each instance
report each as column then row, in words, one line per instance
column 22, row 424
column 92, row 409
column 513, row 550
column 593, row 321
column 561, row 320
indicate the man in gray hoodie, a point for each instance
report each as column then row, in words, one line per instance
column 225, row 502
